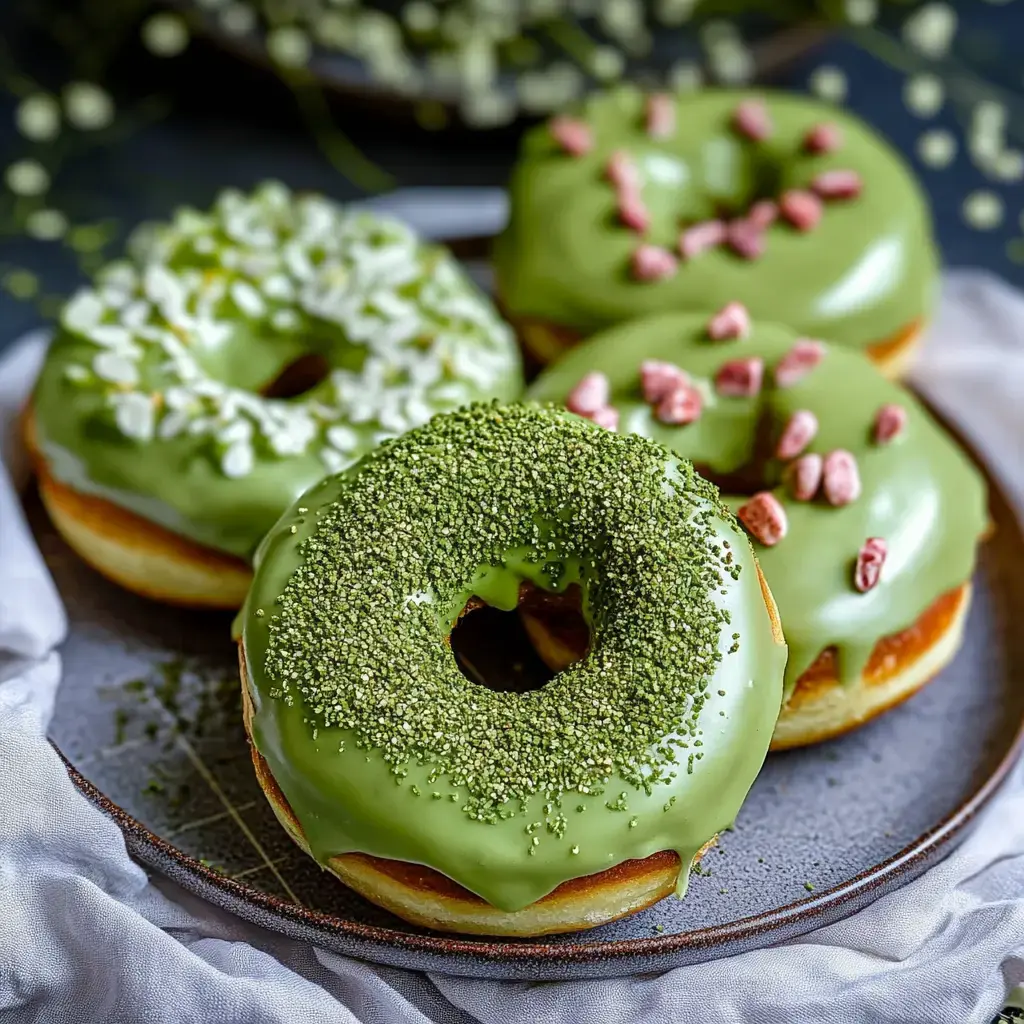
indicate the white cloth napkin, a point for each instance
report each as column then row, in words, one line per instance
column 86, row 936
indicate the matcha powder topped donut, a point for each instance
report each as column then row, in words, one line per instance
column 382, row 746
column 635, row 204
column 236, row 356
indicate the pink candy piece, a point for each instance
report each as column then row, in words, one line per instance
column 870, row 560
column 740, row 378
column 622, row 172
column 823, row 138
column 763, row 213
column 802, row 209
column 751, row 119
column 658, row 379
column 651, row 263
column 797, row 434
column 731, row 321
column 575, row 137
column 764, row 517
column 683, row 405
column 661, row 116
column 633, row 212
column 705, row 235
column 607, row 416
column 840, row 478
column 745, row 239
column 804, row 476
column 837, row 184
column 889, row 423
column 803, row 357
column 589, row 395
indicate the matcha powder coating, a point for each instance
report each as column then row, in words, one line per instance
column 474, row 503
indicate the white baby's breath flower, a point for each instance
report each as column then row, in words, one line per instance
column 829, row 82
column 27, row 178
column 165, row 34
column 87, row 106
column 923, row 95
column 937, row 148
column 983, row 210
column 289, row 46
column 46, row 225
column 38, row 117
column 930, row 29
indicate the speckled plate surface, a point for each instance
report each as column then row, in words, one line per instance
column 148, row 719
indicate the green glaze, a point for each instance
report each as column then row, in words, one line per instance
column 920, row 492
column 867, row 271
column 150, row 392
column 355, row 592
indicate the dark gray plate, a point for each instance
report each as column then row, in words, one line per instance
column 148, row 715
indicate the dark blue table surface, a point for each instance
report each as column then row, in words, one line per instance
column 230, row 124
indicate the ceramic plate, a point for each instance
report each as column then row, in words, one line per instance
column 148, row 720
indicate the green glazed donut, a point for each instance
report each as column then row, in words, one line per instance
column 761, row 410
column 605, row 199
column 381, row 746
column 152, row 393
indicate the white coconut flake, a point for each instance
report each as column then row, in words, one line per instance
column 236, row 430
column 278, row 286
column 247, row 299
column 113, row 336
column 285, row 320
column 115, row 369
column 173, row 423
column 133, row 414
column 238, row 460
column 417, row 317
column 83, row 312
column 345, row 439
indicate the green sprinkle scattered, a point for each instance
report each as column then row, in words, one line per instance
column 644, row 533
column 633, row 822
column 575, row 850
column 808, row 886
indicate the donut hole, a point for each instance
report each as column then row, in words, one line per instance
column 758, row 473
column 722, row 180
column 492, row 647
column 744, row 179
column 298, row 377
